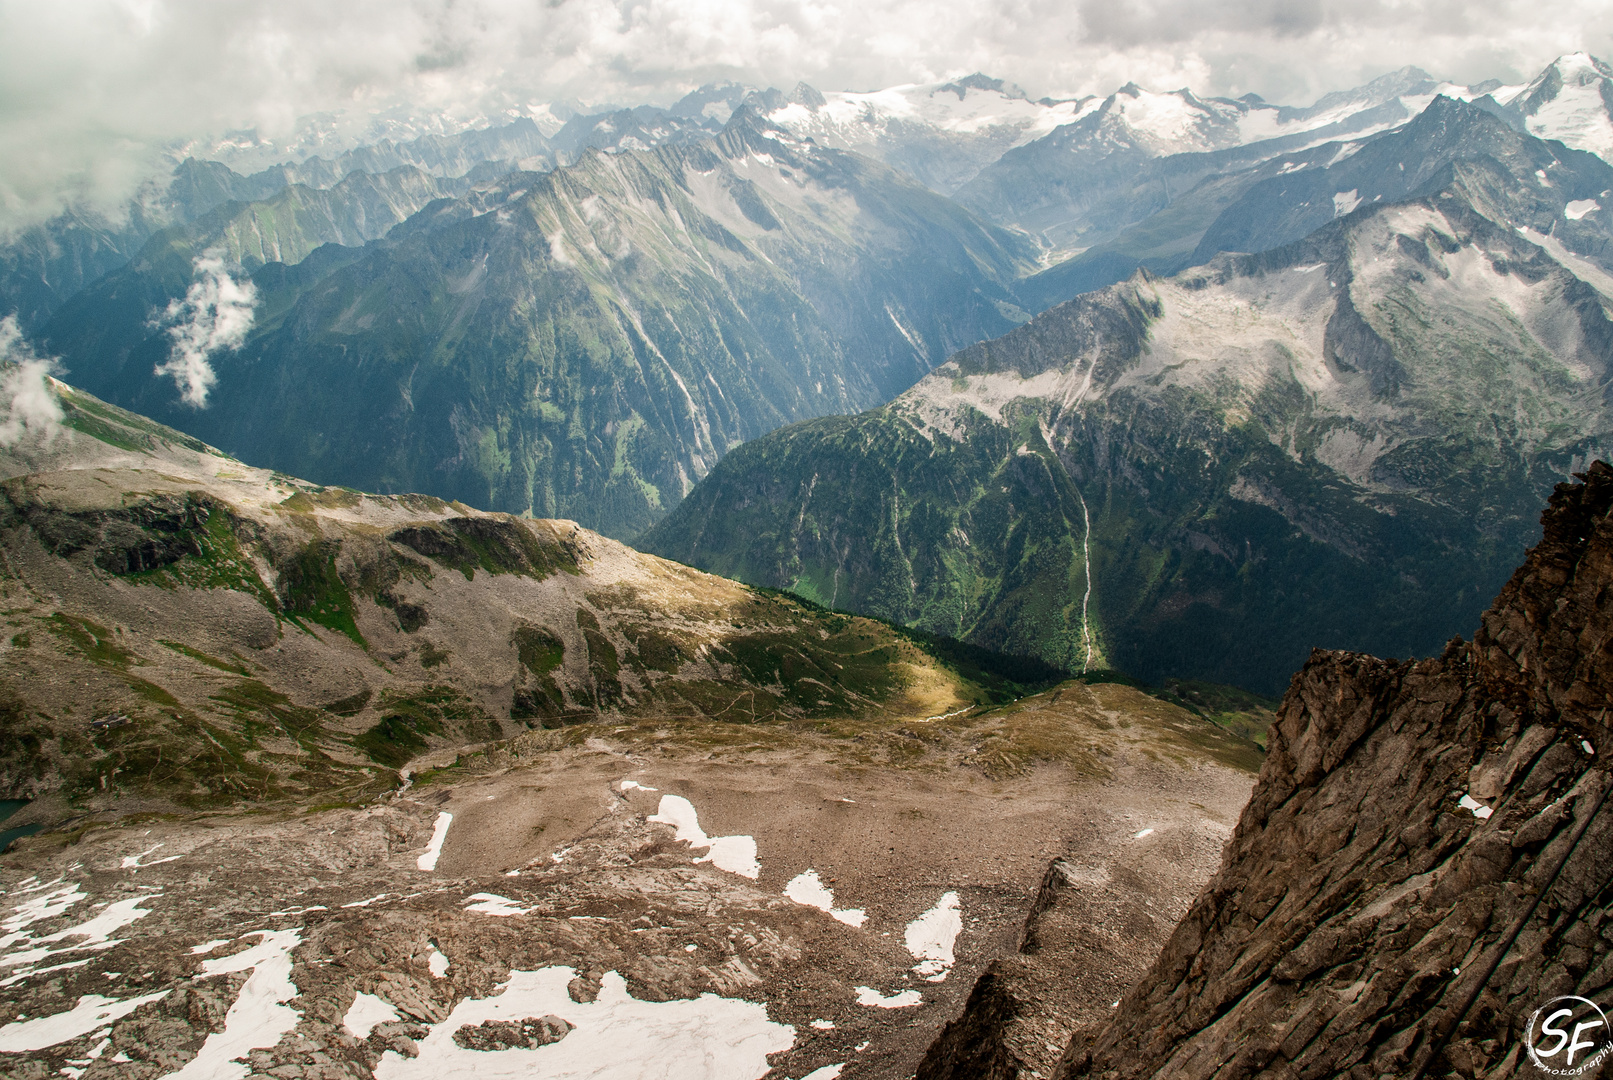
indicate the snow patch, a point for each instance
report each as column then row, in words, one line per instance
column 906, row 999
column 259, row 1019
column 930, row 938
column 366, row 1011
column 807, row 889
column 94, row 934
column 92, row 1011
column 735, row 854
column 1579, row 208
column 614, row 1037
column 493, row 904
column 912, row 339
column 1145, row 832
column 1346, row 201
column 367, row 903
column 50, row 903
column 436, row 963
column 428, row 861
column 133, row 862
column 828, row 1072
column 1480, row 811
column 634, row 785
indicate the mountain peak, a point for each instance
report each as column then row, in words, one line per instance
column 1581, row 67
column 1570, row 101
column 714, row 100
column 803, row 94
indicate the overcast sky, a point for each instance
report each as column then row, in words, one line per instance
column 92, row 90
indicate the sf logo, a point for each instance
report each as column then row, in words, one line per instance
column 1568, row 1036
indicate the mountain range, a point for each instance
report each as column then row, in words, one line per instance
column 581, row 343
column 581, row 319
column 625, row 586
column 1337, row 440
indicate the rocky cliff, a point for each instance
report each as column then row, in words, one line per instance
column 1423, row 863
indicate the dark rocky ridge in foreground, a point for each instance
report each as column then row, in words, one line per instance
column 1364, row 923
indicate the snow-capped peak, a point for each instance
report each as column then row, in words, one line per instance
column 1569, row 101
column 977, row 118
column 966, row 105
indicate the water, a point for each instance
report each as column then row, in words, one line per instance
column 7, row 808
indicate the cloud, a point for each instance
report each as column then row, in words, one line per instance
column 95, row 93
column 30, row 403
column 215, row 315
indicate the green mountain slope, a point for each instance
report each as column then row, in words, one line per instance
column 584, row 343
column 182, row 629
column 1339, row 443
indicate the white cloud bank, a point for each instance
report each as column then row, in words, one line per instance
column 94, row 92
column 215, row 315
column 30, row 403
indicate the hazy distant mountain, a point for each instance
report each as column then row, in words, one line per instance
column 1117, row 163
column 1341, row 442
column 942, row 134
column 584, row 343
column 43, row 266
column 1120, row 185
column 519, row 143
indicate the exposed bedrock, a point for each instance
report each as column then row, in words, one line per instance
column 1425, row 860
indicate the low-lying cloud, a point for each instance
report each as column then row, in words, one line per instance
column 215, row 316
column 31, row 407
column 96, row 92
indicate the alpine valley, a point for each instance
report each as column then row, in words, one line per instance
column 797, row 585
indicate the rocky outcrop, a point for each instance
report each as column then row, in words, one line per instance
column 1424, row 862
column 1087, row 938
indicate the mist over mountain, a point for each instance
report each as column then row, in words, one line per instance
column 582, row 343
column 1162, row 181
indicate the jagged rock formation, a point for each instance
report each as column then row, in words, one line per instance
column 1424, row 862
column 1089, row 934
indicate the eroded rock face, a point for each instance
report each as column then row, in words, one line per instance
column 1425, row 860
